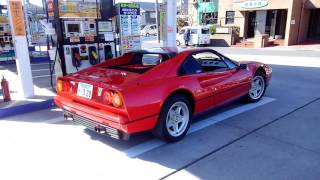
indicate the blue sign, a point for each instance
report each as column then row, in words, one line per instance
column 129, row 9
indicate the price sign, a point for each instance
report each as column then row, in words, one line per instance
column 18, row 26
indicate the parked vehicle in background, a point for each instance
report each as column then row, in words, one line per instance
column 200, row 36
column 149, row 30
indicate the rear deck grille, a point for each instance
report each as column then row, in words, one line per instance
column 92, row 125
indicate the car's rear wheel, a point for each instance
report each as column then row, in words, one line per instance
column 174, row 119
column 258, row 87
column 147, row 34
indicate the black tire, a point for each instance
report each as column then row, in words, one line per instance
column 147, row 35
column 178, row 43
column 248, row 97
column 160, row 130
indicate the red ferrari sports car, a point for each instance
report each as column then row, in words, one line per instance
column 158, row 90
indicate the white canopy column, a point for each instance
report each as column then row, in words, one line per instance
column 18, row 29
column 170, row 23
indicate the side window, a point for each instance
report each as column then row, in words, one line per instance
column 230, row 63
column 190, row 66
column 210, row 61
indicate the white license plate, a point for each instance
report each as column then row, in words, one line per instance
column 85, row 90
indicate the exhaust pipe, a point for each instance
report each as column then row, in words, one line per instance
column 68, row 117
column 100, row 130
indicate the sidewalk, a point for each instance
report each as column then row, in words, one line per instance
column 19, row 105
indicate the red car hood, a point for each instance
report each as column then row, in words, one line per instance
column 115, row 78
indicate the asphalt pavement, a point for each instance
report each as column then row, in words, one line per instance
column 277, row 138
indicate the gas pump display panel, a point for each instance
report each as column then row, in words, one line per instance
column 73, row 28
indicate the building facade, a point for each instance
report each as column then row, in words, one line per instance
column 182, row 8
column 148, row 13
column 207, row 11
column 294, row 21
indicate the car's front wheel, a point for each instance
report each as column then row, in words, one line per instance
column 258, row 87
column 174, row 119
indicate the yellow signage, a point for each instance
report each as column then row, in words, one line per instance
column 18, row 26
column 71, row 9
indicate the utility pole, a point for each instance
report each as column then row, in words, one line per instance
column 158, row 20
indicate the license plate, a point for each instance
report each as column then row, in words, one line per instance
column 85, row 90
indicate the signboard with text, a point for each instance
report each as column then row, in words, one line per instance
column 129, row 18
column 18, row 25
column 129, row 9
column 252, row 4
column 74, row 9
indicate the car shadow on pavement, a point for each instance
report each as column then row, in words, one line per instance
column 120, row 145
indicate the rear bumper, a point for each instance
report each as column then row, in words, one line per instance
column 96, row 127
column 100, row 118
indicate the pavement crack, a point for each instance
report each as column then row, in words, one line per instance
column 240, row 138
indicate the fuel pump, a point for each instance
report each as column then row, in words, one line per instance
column 93, row 54
column 81, row 34
column 107, row 51
column 75, row 56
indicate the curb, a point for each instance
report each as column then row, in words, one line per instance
column 26, row 108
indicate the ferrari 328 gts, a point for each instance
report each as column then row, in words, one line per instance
column 158, row 90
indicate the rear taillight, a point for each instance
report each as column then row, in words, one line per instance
column 63, row 86
column 116, row 100
column 113, row 98
column 107, row 97
column 59, row 86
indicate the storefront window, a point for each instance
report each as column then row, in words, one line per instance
column 230, row 17
column 209, row 18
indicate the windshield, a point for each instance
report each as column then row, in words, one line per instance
column 141, row 62
column 205, row 31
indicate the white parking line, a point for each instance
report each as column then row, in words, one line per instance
column 36, row 64
column 34, row 77
column 152, row 144
column 40, row 70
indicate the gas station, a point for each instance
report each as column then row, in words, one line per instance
column 276, row 137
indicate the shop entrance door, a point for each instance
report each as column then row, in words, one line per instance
column 251, row 24
column 314, row 27
column 261, row 18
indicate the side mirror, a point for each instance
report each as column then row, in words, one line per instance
column 242, row 66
